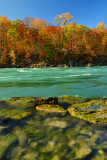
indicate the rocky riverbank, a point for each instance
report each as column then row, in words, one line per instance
column 92, row 110
column 45, row 65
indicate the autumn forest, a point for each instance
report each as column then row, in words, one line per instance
column 35, row 41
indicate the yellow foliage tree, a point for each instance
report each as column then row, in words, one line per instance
column 104, row 43
column 13, row 57
column 101, row 26
column 38, row 24
column 61, row 20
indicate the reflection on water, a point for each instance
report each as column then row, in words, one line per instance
column 45, row 82
column 51, row 138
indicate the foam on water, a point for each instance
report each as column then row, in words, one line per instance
column 87, row 74
column 74, row 75
column 57, row 77
column 53, row 68
column 22, row 70
column 77, row 95
column 35, row 68
column 3, row 77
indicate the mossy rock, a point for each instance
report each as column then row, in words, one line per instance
column 14, row 114
column 27, row 103
column 92, row 111
column 51, row 109
column 34, row 100
column 17, row 108
column 22, row 100
column 20, row 107
column 71, row 100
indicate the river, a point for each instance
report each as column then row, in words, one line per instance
column 46, row 82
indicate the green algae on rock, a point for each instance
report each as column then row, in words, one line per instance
column 23, row 100
column 94, row 111
column 51, row 109
column 38, row 101
column 71, row 100
column 17, row 107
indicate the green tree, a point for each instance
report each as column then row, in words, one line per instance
column 16, row 22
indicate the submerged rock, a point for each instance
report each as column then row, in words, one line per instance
column 51, row 137
column 58, row 124
column 84, row 151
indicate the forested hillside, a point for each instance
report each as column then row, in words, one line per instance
column 35, row 41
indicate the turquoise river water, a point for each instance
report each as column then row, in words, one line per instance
column 46, row 82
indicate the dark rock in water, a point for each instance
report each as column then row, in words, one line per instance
column 6, row 120
column 50, row 100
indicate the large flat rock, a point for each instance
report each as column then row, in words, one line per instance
column 51, row 109
column 92, row 111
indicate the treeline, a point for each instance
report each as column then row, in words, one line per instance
column 34, row 41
